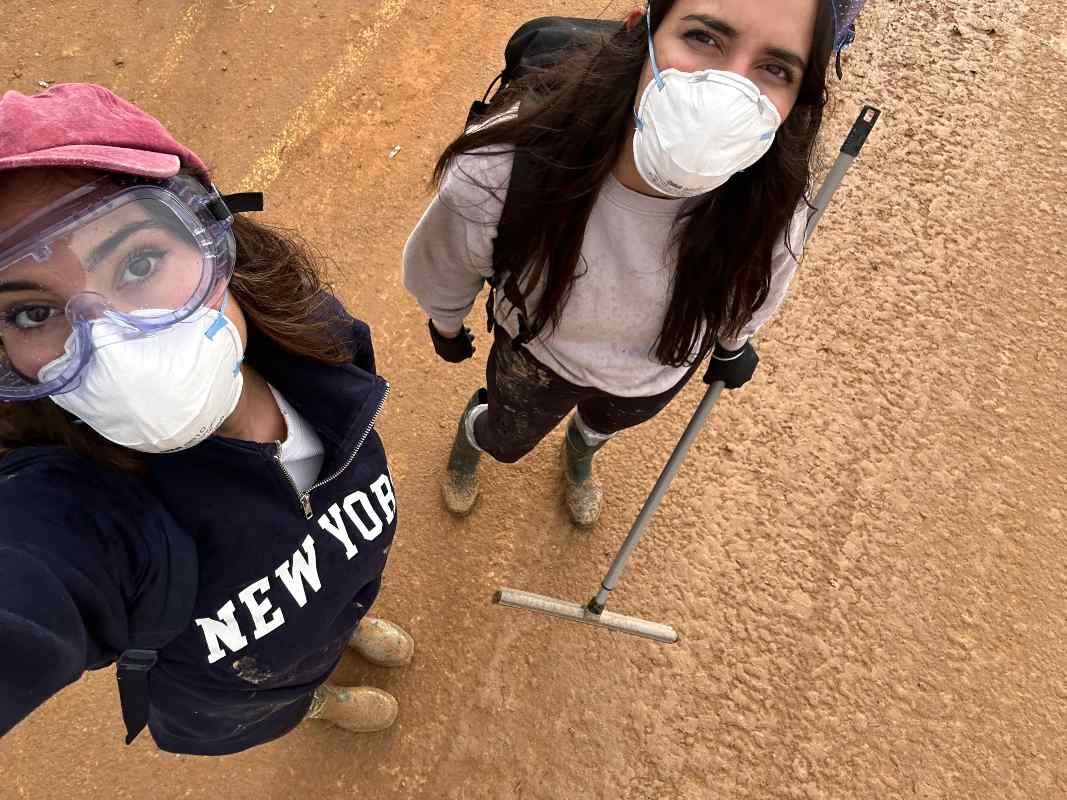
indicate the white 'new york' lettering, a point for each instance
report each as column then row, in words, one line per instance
column 383, row 490
column 224, row 628
column 259, row 610
column 336, row 528
column 300, row 569
column 370, row 533
column 303, row 570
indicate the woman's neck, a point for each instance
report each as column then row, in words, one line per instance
column 257, row 417
column 626, row 173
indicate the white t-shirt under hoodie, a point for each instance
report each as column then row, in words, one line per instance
column 609, row 327
column 302, row 453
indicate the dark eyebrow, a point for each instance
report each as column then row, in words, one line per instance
column 22, row 286
column 714, row 24
column 729, row 31
column 111, row 243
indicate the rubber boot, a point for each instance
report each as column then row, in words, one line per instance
column 360, row 709
column 584, row 494
column 383, row 643
column 460, row 486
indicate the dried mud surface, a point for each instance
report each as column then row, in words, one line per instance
column 864, row 553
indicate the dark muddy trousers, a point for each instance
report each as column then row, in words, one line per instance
column 527, row 400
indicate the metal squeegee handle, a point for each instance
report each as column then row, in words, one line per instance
column 857, row 137
column 850, row 150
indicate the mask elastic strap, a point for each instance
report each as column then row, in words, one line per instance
column 652, row 60
column 219, row 324
column 220, row 320
column 651, row 49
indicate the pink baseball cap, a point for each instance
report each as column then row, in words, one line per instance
column 87, row 126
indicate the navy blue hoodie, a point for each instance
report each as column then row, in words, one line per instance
column 269, row 585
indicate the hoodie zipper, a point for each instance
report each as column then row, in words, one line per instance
column 305, row 497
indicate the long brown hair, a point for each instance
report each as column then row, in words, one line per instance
column 278, row 282
column 571, row 124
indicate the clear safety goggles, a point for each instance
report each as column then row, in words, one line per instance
column 138, row 254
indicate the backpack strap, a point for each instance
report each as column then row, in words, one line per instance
column 479, row 108
column 132, row 674
column 504, row 279
column 537, row 45
column 157, row 620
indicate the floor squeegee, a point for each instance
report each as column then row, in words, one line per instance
column 594, row 612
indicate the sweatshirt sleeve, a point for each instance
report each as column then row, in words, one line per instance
column 784, row 263
column 44, row 635
column 76, row 551
column 449, row 255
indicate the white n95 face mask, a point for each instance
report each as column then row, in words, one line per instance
column 696, row 130
column 160, row 392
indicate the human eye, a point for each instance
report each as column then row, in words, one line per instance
column 780, row 73
column 29, row 317
column 703, row 37
column 140, row 266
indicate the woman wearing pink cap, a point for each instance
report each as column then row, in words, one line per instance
column 191, row 481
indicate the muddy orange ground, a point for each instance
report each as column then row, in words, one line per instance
column 865, row 554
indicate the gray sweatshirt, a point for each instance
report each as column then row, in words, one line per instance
column 608, row 331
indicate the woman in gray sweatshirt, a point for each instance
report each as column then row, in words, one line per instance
column 635, row 207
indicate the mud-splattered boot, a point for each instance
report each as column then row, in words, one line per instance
column 360, row 709
column 460, row 486
column 383, row 643
column 584, row 494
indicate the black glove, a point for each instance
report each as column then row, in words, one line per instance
column 733, row 367
column 458, row 348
